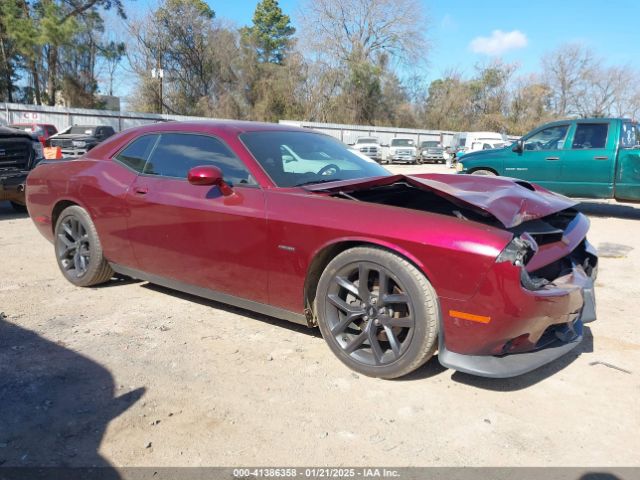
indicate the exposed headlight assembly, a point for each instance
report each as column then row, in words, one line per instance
column 79, row 144
column 519, row 250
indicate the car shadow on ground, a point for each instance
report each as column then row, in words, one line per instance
column 55, row 404
column 608, row 210
column 295, row 327
column 8, row 213
column 528, row 379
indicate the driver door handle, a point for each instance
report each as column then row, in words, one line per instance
column 552, row 158
column 601, row 158
column 140, row 190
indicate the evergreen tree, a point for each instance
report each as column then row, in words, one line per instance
column 271, row 33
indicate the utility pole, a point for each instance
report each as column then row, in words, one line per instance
column 159, row 73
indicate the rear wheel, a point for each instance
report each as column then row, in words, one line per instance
column 78, row 249
column 377, row 312
column 483, row 171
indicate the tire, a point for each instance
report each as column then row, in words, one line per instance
column 369, row 340
column 484, row 172
column 18, row 207
column 78, row 249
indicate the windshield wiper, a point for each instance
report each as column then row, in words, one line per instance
column 317, row 181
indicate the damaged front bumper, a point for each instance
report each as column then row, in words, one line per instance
column 556, row 341
column 527, row 327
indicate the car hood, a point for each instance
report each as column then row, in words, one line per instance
column 74, row 136
column 510, row 201
column 6, row 132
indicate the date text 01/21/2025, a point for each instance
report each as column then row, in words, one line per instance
column 242, row 473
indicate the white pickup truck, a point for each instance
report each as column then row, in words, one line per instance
column 403, row 150
column 369, row 146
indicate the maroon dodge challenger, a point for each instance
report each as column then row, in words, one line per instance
column 494, row 273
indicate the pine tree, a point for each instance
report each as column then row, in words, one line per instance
column 271, row 33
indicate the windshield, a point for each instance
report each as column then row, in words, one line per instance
column 429, row 144
column 299, row 158
column 367, row 140
column 402, row 142
column 77, row 130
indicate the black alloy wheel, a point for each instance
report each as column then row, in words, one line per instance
column 377, row 312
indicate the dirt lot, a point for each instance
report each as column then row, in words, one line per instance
column 133, row 374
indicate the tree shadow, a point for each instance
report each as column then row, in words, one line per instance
column 55, row 404
column 607, row 210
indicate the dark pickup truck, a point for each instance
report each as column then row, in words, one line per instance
column 77, row 140
column 19, row 153
column 589, row 158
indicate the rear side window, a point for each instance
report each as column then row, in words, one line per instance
column 590, row 135
column 629, row 137
column 177, row 153
column 136, row 153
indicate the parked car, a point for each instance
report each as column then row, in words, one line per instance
column 465, row 142
column 371, row 147
column 77, row 140
column 19, row 152
column 431, row 151
column 43, row 131
column 403, row 150
column 495, row 274
column 591, row 158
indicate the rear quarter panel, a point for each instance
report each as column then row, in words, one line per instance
column 99, row 186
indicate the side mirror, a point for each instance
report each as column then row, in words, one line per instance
column 209, row 175
column 518, row 147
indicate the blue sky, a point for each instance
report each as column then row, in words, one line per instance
column 465, row 32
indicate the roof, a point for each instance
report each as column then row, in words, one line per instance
column 229, row 126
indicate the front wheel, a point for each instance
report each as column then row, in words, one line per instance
column 377, row 312
column 78, row 249
column 484, row 171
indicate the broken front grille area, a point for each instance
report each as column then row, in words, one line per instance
column 560, row 230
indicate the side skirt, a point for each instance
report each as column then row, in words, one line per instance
column 212, row 294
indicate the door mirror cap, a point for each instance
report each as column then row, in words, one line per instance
column 209, row 175
column 518, row 147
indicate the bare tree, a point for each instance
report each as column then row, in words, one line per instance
column 348, row 31
column 566, row 70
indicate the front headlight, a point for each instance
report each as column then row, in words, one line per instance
column 79, row 143
column 459, row 167
column 39, row 151
column 518, row 251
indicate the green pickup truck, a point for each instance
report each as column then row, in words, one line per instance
column 590, row 158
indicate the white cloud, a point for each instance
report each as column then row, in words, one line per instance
column 499, row 42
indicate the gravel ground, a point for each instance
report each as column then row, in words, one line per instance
column 131, row 374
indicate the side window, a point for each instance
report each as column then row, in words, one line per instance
column 629, row 135
column 590, row 135
column 486, row 146
column 177, row 153
column 51, row 130
column 551, row 138
column 135, row 155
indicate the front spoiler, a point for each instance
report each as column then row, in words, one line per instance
column 567, row 338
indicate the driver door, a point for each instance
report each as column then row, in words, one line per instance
column 541, row 158
column 192, row 234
